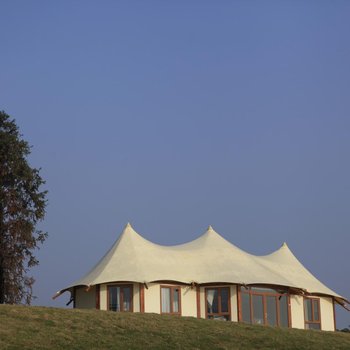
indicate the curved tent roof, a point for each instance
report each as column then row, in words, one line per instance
column 207, row 259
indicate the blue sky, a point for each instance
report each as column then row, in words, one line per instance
column 179, row 115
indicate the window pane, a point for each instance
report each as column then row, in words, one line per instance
column 316, row 310
column 176, row 300
column 220, row 317
column 212, row 301
column 224, row 299
column 258, row 309
column 312, row 326
column 283, row 311
column 271, row 310
column 127, row 299
column 308, row 310
column 245, row 299
column 263, row 290
column 114, row 298
column 165, row 294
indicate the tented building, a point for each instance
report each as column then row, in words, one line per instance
column 206, row 278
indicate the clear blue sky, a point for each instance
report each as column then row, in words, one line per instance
column 177, row 115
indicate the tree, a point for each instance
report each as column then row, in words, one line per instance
column 22, row 207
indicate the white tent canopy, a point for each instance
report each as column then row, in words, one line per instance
column 207, row 259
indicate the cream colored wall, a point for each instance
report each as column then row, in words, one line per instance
column 202, row 301
column 327, row 315
column 234, row 308
column 136, row 298
column 188, row 301
column 103, row 297
column 297, row 311
column 85, row 299
column 152, row 298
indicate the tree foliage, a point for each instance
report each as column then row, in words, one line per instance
column 22, row 206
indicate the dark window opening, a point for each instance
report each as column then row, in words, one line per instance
column 264, row 306
column 312, row 313
column 218, row 303
column 170, row 300
column 120, row 298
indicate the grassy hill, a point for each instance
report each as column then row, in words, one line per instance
column 50, row 328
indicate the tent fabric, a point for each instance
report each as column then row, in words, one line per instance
column 207, row 259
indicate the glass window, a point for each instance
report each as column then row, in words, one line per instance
column 262, row 290
column 316, row 313
column 127, row 299
column 283, row 308
column 212, row 301
column 218, row 303
column 165, row 295
column 114, row 298
column 308, row 309
column 245, row 300
column 176, row 300
column 120, row 298
column 313, row 326
column 312, row 313
column 170, row 300
column 266, row 306
column 271, row 310
column 258, row 309
column 224, row 299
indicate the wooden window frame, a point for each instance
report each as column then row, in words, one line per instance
column 250, row 292
column 172, row 288
column 313, row 321
column 220, row 313
column 121, row 286
column 97, row 296
column 198, row 301
column 142, row 297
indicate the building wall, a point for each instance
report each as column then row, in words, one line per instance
column 297, row 311
column 327, row 315
column 152, row 298
column 188, row 301
column 234, row 306
column 85, row 299
column 103, row 297
column 202, row 303
column 136, row 298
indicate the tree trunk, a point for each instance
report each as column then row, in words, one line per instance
column 2, row 282
column 2, row 272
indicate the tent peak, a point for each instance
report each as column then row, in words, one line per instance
column 128, row 227
column 286, row 247
column 210, row 228
column 127, row 230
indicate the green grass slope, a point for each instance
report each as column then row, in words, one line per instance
column 50, row 328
